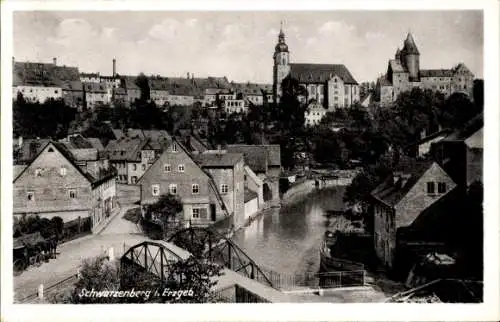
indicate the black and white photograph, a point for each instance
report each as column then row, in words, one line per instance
column 246, row 156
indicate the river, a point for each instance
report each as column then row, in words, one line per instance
column 287, row 239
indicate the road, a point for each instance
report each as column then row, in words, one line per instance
column 119, row 234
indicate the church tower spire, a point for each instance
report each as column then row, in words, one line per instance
column 281, row 66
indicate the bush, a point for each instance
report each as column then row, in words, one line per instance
column 134, row 215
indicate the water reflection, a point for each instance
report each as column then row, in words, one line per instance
column 282, row 238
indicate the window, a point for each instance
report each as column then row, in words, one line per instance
column 172, row 188
column 196, row 213
column 223, row 188
column 167, row 167
column 134, row 167
column 72, row 193
column 441, row 187
column 430, row 187
column 134, row 179
column 180, row 167
column 50, row 149
column 195, row 188
column 62, row 171
column 38, row 172
column 30, row 195
column 143, row 167
column 55, row 91
column 155, row 189
column 174, row 147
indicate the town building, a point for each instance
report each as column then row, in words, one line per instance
column 38, row 82
column 235, row 106
column 72, row 93
column 404, row 73
column 69, row 183
column 96, row 94
column 227, row 172
column 461, row 153
column 265, row 162
column 332, row 86
column 403, row 199
column 422, row 147
column 175, row 172
column 133, row 91
column 131, row 156
column 314, row 113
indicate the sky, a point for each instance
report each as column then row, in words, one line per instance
column 240, row 45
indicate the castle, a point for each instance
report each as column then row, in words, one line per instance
column 331, row 86
column 404, row 73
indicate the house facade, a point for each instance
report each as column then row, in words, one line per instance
column 175, row 172
column 401, row 199
column 53, row 184
column 227, row 172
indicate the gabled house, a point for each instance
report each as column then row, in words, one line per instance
column 52, row 184
column 131, row 157
column 227, row 172
column 402, row 198
column 422, row 147
column 460, row 153
column 265, row 162
column 175, row 172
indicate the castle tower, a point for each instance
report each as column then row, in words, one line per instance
column 281, row 68
column 398, row 55
column 411, row 58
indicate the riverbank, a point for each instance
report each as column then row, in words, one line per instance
column 304, row 188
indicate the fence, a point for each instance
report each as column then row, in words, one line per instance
column 288, row 282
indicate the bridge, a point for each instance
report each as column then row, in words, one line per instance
column 241, row 275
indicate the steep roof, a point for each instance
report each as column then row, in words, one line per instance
column 396, row 66
column 475, row 140
column 467, row 130
column 42, row 74
column 103, row 174
column 125, row 149
column 96, row 143
column 256, row 156
column 94, row 88
column 218, row 159
column 436, row 73
column 75, row 85
column 30, row 149
column 383, row 81
column 320, row 73
column 409, row 46
column 391, row 192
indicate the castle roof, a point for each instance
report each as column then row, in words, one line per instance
column 396, row 66
column 409, row 46
column 436, row 73
column 320, row 73
column 41, row 74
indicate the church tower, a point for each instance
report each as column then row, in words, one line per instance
column 281, row 68
column 411, row 58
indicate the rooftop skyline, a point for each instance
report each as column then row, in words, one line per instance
column 240, row 45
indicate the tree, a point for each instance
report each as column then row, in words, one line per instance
column 478, row 93
column 167, row 207
column 142, row 82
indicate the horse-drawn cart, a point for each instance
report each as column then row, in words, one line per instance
column 32, row 249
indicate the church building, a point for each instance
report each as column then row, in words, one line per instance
column 329, row 85
column 404, row 73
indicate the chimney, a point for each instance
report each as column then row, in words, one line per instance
column 188, row 75
column 54, row 60
column 114, row 67
column 13, row 60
